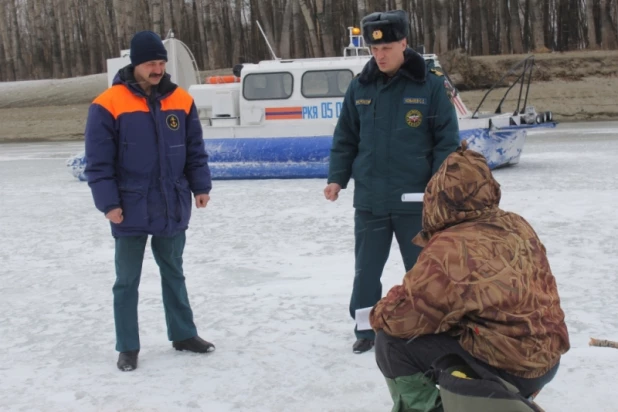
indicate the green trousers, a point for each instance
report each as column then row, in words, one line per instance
column 129, row 257
column 373, row 239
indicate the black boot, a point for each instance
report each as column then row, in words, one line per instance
column 127, row 361
column 194, row 344
column 362, row 345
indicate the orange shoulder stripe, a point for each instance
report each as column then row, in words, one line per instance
column 119, row 100
column 178, row 100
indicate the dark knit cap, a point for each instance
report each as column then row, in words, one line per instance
column 147, row 46
column 385, row 27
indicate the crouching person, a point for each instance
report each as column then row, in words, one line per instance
column 482, row 289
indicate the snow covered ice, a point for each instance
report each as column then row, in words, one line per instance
column 269, row 268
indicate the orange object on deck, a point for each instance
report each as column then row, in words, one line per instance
column 222, row 79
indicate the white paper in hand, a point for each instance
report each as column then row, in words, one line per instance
column 362, row 318
column 412, row 197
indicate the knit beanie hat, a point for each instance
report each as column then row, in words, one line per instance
column 147, row 46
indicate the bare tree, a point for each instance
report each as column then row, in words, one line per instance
column 143, row 19
column 9, row 60
column 503, row 15
column 120, row 19
column 60, row 13
column 166, row 18
column 76, row 38
column 324, row 12
column 456, row 25
column 608, row 28
column 56, row 59
column 237, row 23
column 16, row 41
column 362, row 8
column 416, row 29
column 484, row 29
column 428, row 33
column 156, row 15
column 490, row 12
column 199, row 11
column 285, row 41
column 297, row 24
column 267, row 22
column 515, row 23
column 210, row 35
column 590, row 24
column 171, row 22
column 535, row 15
column 307, row 14
column 92, row 34
column 55, row 38
column 441, row 28
column 476, row 37
column 105, row 22
column 33, row 45
column 128, row 11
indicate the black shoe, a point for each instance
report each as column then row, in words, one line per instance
column 127, row 361
column 195, row 344
column 362, row 345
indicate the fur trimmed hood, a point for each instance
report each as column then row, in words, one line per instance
column 414, row 68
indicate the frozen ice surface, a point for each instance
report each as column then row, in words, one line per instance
column 269, row 267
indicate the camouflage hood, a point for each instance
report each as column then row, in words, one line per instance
column 462, row 189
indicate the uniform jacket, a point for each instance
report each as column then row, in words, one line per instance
column 393, row 134
column 146, row 155
column 482, row 276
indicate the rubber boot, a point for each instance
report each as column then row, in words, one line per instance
column 414, row 393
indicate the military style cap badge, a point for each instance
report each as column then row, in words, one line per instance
column 172, row 122
column 414, row 118
column 377, row 34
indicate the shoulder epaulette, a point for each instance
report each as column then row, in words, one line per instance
column 437, row 72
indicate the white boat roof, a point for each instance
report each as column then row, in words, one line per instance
column 306, row 63
column 318, row 63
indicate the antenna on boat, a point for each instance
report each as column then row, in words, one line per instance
column 267, row 42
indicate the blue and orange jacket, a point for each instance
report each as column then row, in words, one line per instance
column 146, row 155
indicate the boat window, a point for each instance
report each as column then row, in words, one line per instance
column 326, row 83
column 267, row 86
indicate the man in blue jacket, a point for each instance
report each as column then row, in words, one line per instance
column 145, row 155
column 397, row 125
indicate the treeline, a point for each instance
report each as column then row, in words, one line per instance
column 66, row 38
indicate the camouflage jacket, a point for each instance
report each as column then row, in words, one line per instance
column 483, row 276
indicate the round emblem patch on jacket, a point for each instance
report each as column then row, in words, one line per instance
column 172, row 122
column 414, row 118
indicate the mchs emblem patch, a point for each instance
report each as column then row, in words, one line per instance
column 414, row 118
column 172, row 122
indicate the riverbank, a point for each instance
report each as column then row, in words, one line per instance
column 575, row 86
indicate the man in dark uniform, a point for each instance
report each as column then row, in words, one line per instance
column 397, row 125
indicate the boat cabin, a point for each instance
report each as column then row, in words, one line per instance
column 284, row 91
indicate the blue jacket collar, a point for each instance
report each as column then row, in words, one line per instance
column 126, row 77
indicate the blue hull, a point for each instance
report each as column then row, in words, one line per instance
column 307, row 157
